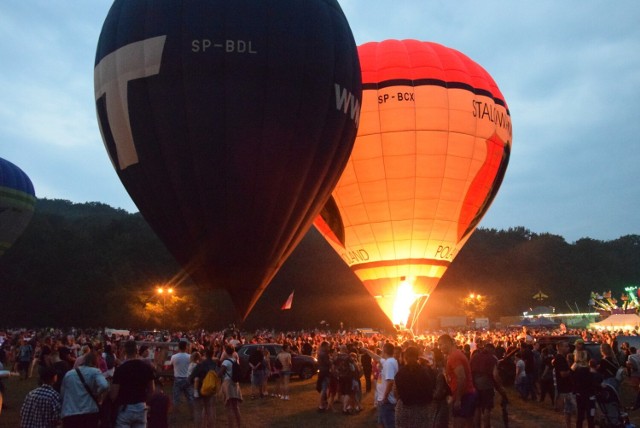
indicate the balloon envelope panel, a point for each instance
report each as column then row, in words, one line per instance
column 17, row 202
column 431, row 151
column 228, row 123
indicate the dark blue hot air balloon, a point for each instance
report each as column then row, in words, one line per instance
column 17, row 202
column 229, row 123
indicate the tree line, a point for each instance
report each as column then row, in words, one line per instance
column 93, row 265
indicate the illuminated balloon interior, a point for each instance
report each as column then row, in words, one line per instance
column 431, row 151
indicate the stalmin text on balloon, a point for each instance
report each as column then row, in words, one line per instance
column 482, row 110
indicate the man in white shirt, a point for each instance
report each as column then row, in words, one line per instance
column 181, row 385
column 386, row 399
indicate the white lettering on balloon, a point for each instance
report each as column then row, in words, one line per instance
column 445, row 252
column 355, row 256
column 346, row 101
column 111, row 78
column 229, row 46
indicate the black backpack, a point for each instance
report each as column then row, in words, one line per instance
column 344, row 367
column 236, row 376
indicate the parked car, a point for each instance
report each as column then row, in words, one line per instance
column 303, row 366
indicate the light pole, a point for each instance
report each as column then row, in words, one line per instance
column 473, row 304
column 164, row 292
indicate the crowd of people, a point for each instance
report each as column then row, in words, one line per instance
column 87, row 377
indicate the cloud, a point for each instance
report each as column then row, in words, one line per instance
column 568, row 70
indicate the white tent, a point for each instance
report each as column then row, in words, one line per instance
column 618, row 322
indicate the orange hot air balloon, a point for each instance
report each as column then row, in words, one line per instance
column 431, row 151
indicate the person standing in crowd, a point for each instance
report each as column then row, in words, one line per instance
column 458, row 372
column 111, row 361
column 41, row 407
column 131, row 387
column 231, row 392
column 205, row 405
column 61, row 364
column 256, row 363
column 357, row 385
column 345, row 370
column 82, row 390
column 530, row 371
column 584, row 383
column 633, row 366
column 367, row 368
column 284, row 356
column 274, row 372
column 562, row 374
column 84, row 350
column 579, row 346
column 532, row 367
column 414, row 385
column 623, row 354
column 324, row 375
column 145, row 356
column 546, row 377
column 486, row 380
column 439, row 409
column 44, row 357
column 181, row 386
column 159, row 406
column 608, row 366
column 307, row 347
column 264, row 389
column 193, row 361
column 386, row 398
column 25, row 355
column 521, row 382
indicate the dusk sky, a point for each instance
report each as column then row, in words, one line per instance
column 569, row 71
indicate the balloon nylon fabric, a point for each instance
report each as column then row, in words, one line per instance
column 228, row 123
column 17, row 203
column 432, row 148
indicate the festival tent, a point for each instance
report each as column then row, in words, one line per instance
column 618, row 322
column 537, row 322
column 543, row 322
column 525, row 322
column 580, row 321
column 541, row 310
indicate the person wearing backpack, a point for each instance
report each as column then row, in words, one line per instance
column 345, row 370
column 229, row 372
column 204, row 399
column 414, row 385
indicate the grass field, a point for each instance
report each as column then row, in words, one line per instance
column 300, row 411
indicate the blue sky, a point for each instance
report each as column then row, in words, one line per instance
column 569, row 70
